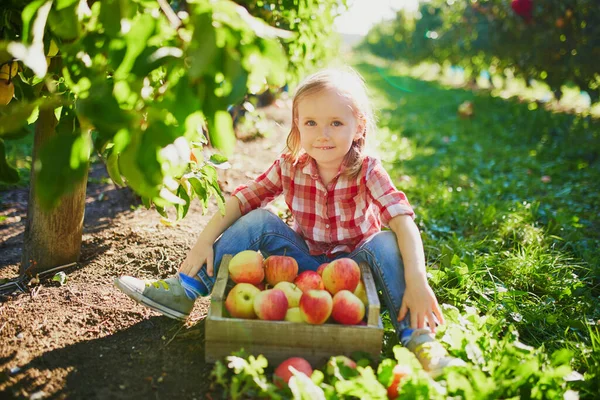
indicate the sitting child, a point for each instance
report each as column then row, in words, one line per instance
column 339, row 198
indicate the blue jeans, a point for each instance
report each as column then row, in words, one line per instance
column 262, row 230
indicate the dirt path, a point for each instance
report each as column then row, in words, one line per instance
column 86, row 340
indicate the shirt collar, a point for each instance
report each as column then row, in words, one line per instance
column 310, row 167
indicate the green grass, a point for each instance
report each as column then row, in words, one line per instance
column 507, row 202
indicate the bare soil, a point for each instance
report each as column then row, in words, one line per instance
column 87, row 340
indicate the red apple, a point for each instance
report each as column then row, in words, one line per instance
column 361, row 293
column 279, row 269
column 247, row 267
column 293, row 315
column 309, row 280
column 292, row 292
column 341, row 274
column 261, row 286
column 399, row 373
column 283, row 374
column 240, row 301
column 316, row 306
column 523, row 8
column 347, row 308
column 321, row 268
column 271, row 305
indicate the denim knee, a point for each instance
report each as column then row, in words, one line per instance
column 384, row 243
column 259, row 218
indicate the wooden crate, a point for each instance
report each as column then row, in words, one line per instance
column 279, row 340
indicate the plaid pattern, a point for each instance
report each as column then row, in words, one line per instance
column 333, row 219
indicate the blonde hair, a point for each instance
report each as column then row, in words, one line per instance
column 348, row 83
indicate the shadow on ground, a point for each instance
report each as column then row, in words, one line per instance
column 156, row 358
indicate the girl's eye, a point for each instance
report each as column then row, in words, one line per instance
column 336, row 123
column 311, row 123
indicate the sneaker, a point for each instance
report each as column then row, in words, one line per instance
column 165, row 296
column 430, row 353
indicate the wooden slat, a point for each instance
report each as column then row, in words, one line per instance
column 218, row 351
column 284, row 332
column 374, row 306
column 218, row 293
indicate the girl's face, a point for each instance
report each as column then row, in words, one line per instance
column 327, row 127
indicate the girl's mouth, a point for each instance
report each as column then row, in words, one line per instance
column 325, row 148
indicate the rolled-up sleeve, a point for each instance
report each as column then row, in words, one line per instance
column 262, row 190
column 390, row 201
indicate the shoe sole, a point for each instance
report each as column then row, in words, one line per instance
column 140, row 298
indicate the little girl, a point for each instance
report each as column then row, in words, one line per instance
column 339, row 198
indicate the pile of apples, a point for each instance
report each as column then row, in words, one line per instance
column 271, row 289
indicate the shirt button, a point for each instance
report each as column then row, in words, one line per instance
column 327, row 226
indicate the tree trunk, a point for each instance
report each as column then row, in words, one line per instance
column 52, row 238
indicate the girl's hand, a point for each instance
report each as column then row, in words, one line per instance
column 200, row 254
column 423, row 306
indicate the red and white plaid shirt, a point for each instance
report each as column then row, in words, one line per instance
column 331, row 219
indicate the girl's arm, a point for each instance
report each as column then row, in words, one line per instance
column 202, row 251
column 418, row 298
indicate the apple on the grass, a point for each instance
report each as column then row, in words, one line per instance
column 294, row 315
column 279, row 269
column 361, row 293
column 283, row 373
column 316, row 306
column 247, row 267
column 321, row 268
column 240, row 301
column 347, row 308
column 399, row 373
column 292, row 292
column 341, row 274
column 309, row 280
column 271, row 305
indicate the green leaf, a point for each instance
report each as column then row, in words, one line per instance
column 132, row 171
column 154, row 57
column 60, row 277
column 562, row 357
column 137, row 40
column 158, row 156
column 103, row 110
column 303, row 388
column 64, row 22
column 56, row 175
column 110, row 17
column 203, row 48
column 27, row 16
column 8, row 173
column 61, row 4
column 277, row 62
column 182, row 209
column 183, row 101
column 218, row 158
column 199, row 186
column 14, row 117
column 220, row 131
column 112, row 167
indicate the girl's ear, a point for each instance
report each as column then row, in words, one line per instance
column 360, row 129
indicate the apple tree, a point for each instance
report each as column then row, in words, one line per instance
column 554, row 41
column 144, row 84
